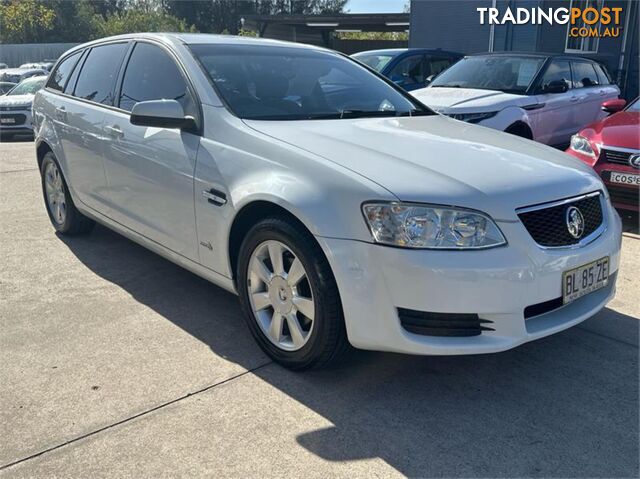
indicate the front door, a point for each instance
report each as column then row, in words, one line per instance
column 150, row 170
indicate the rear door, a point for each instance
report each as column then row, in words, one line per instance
column 553, row 120
column 150, row 170
column 589, row 94
column 79, row 115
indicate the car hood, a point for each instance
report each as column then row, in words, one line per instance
column 16, row 100
column 468, row 100
column 438, row 160
column 620, row 130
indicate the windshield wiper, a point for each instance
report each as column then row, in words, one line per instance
column 365, row 113
column 452, row 85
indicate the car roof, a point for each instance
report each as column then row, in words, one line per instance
column 197, row 39
column 533, row 55
column 398, row 51
column 20, row 71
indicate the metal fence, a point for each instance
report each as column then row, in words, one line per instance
column 15, row 55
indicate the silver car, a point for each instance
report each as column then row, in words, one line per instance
column 339, row 208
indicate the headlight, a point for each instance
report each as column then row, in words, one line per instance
column 433, row 227
column 582, row 145
column 473, row 117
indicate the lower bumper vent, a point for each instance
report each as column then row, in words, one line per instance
column 442, row 324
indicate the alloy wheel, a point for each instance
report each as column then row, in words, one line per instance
column 280, row 295
column 54, row 189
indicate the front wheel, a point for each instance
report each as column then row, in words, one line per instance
column 289, row 296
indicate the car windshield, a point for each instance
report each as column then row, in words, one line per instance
column 510, row 74
column 284, row 83
column 29, row 86
column 634, row 106
column 376, row 61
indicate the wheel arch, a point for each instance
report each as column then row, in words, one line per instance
column 247, row 216
column 520, row 128
column 42, row 148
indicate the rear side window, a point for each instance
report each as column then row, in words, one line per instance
column 557, row 71
column 98, row 73
column 584, row 75
column 603, row 77
column 437, row 65
column 59, row 77
column 409, row 69
column 152, row 74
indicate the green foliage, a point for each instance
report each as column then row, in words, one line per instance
column 48, row 21
column 130, row 21
column 400, row 36
column 23, row 21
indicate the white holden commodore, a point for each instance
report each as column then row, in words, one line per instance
column 340, row 209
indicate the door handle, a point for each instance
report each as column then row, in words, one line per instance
column 574, row 98
column 61, row 113
column 115, row 131
column 215, row 197
column 603, row 93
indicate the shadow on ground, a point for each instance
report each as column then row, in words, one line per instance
column 563, row 406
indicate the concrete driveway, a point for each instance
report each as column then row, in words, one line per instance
column 115, row 362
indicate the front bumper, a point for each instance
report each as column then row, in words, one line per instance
column 22, row 122
column 497, row 284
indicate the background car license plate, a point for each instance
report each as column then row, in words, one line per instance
column 624, row 178
column 584, row 279
column 7, row 120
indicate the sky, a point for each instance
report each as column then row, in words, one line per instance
column 375, row 6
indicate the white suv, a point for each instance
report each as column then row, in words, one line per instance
column 337, row 207
column 540, row 97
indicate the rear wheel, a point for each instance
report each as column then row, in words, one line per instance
column 289, row 296
column 64, row 216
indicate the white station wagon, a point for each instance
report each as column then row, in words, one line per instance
column 340, row 209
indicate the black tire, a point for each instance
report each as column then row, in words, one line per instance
column 75, row 223
column 328, row 342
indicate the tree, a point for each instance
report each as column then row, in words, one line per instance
column 130, row 21
column 25, row 21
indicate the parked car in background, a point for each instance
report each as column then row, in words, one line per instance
column 5, row 86
column 16, row 75
column 46, row 65
column 15, row 107
column 3, row 66
column 410, row 68
column 612, row 148
column 334, row 204
column 546, row 98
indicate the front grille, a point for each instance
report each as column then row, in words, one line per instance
column 548, row 226
column 618, row 157
column 14, row 108
column 442, row 324
column 620, row 194
column 19, row 119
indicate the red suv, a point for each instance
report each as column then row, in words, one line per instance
column 612, row 147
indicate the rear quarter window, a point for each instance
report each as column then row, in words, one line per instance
column 59, row 77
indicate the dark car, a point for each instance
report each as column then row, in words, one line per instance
column 410, row 68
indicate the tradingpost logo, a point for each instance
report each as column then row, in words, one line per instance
column 584, row 22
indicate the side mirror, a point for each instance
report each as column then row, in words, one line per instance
column 429, row 79
column 161, row 114
column 613, row 106
column 555, row 86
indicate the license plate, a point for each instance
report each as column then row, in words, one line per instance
column 7, row 121
column 624, row 178
column 584, row 279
